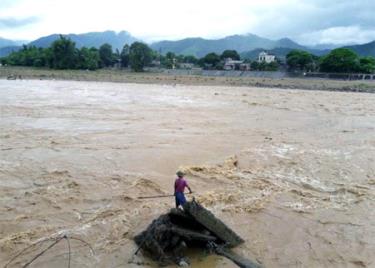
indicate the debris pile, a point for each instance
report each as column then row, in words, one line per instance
column 168, row 236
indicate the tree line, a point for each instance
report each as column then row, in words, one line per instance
column 63, row 54
column 340, row 60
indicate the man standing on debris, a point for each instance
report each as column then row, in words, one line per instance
column 179, row 188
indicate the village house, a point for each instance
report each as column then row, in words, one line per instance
column 230, row 64
column 265, row 57
column 117, row 64
column 186, row 66
column 155, row 63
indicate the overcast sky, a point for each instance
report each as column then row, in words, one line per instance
column 308, row 22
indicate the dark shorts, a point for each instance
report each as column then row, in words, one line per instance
column 180, row 199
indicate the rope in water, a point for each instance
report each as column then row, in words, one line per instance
column 57, row 240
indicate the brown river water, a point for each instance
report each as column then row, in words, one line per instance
column 291, row 171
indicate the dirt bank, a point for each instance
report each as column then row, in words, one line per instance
column 291, row 171
column 122, row 76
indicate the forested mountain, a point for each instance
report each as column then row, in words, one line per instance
column 365, row 49
column 200, row 47
column 92, row 39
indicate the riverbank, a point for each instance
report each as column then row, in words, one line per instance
column 122, row 76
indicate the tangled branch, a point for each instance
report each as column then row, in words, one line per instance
column 56, row 241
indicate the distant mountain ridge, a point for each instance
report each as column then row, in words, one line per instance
column 7, row 46
column 199, row 46
column 248, row 45
column 326, row 46
column 92, row 39
column 5, row 51
column 364, row 50
column 8, row 43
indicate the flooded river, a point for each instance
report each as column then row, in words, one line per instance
column 291, row 171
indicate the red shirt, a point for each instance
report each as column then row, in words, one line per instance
column 179, row 185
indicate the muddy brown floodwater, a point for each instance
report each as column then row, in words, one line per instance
column 291, row 171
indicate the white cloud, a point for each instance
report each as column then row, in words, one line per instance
column 338, row 35
column 175, row 19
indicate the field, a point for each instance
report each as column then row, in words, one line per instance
column 292, row 171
